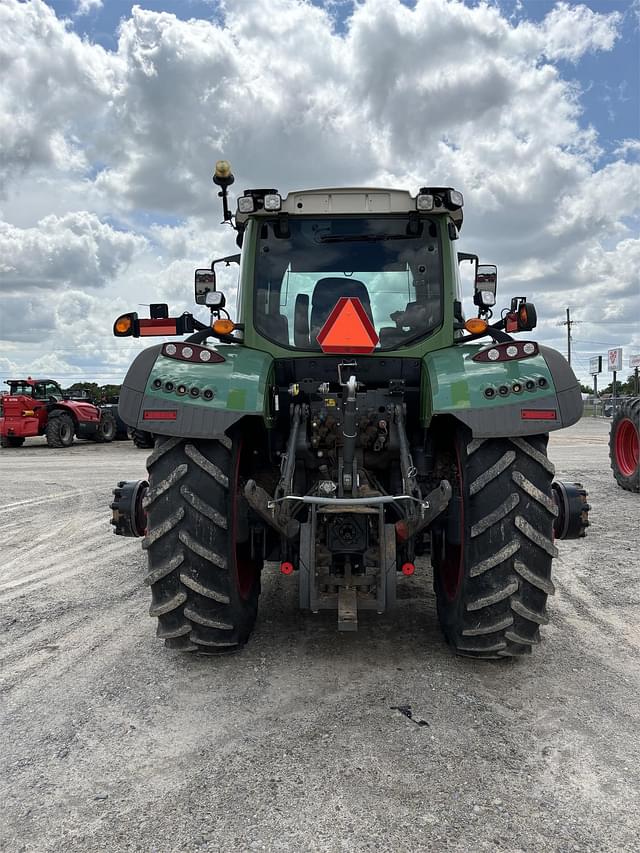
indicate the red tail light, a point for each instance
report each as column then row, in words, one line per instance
column 538, row 414
column 159, row 414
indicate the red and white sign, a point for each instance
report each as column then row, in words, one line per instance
column 634, row 361
column 614, row 359
column 348, row 329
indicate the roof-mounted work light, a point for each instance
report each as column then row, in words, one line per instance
column 424, row 201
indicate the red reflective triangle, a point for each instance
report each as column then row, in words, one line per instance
column 348, row 328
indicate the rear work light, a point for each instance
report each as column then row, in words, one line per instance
column 192, row 353
column 424, row 201
column 272, row 201
column 507, row 352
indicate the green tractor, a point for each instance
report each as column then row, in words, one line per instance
column 346, row 423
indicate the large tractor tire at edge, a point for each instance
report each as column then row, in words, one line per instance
column 623, row 444
column 60, row 429
column 204, row 582
column 492, row 587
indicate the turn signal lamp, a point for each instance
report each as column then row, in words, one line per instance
column 527, row 317
column 476, row 325
column 223, row 327
column 125, row 325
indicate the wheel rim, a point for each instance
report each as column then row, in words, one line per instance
column 245, row 566
column 626, row 447
column 452, row 559
column 65, row 432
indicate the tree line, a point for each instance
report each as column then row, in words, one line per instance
column 93, row 390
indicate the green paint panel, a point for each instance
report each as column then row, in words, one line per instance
column 453, row 381
column 239, row 383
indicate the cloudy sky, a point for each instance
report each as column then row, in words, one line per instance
column 112, row 116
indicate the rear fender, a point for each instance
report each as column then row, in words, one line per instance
column 455, row 385
column 239, row 384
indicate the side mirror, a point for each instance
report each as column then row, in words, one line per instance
column 486, row 285
column 214, row 299
column 205, row 283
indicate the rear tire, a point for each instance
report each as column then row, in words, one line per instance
column 623, row 444
column 142, row 439
column 492, row 589
column 60, row 430
column 107, row 428
column 11, row 441
column 204, row 583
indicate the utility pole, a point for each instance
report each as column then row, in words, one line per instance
column 569, row 323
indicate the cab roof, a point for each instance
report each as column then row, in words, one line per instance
column 354, row 200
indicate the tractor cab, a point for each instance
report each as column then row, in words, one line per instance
column 38, row 389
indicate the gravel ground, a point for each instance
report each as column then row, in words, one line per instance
column 113, row 743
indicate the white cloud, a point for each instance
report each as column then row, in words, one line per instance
column 571, row 31
column 441, row 92
column 76, row 249
column 84, row 7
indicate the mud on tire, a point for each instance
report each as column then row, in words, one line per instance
column 204, row 583
column 623, row 444
column 492, row 588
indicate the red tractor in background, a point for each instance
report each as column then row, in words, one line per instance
column 38, row 407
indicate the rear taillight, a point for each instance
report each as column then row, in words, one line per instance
column 159, row 414
column 507, row 352
column 539, row 414
column 192, row 353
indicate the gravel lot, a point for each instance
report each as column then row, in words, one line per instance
column 113, row 743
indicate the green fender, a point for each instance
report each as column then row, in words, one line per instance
column 454, row 384
column 239, row 386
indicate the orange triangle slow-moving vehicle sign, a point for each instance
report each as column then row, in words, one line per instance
column 348, row 328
